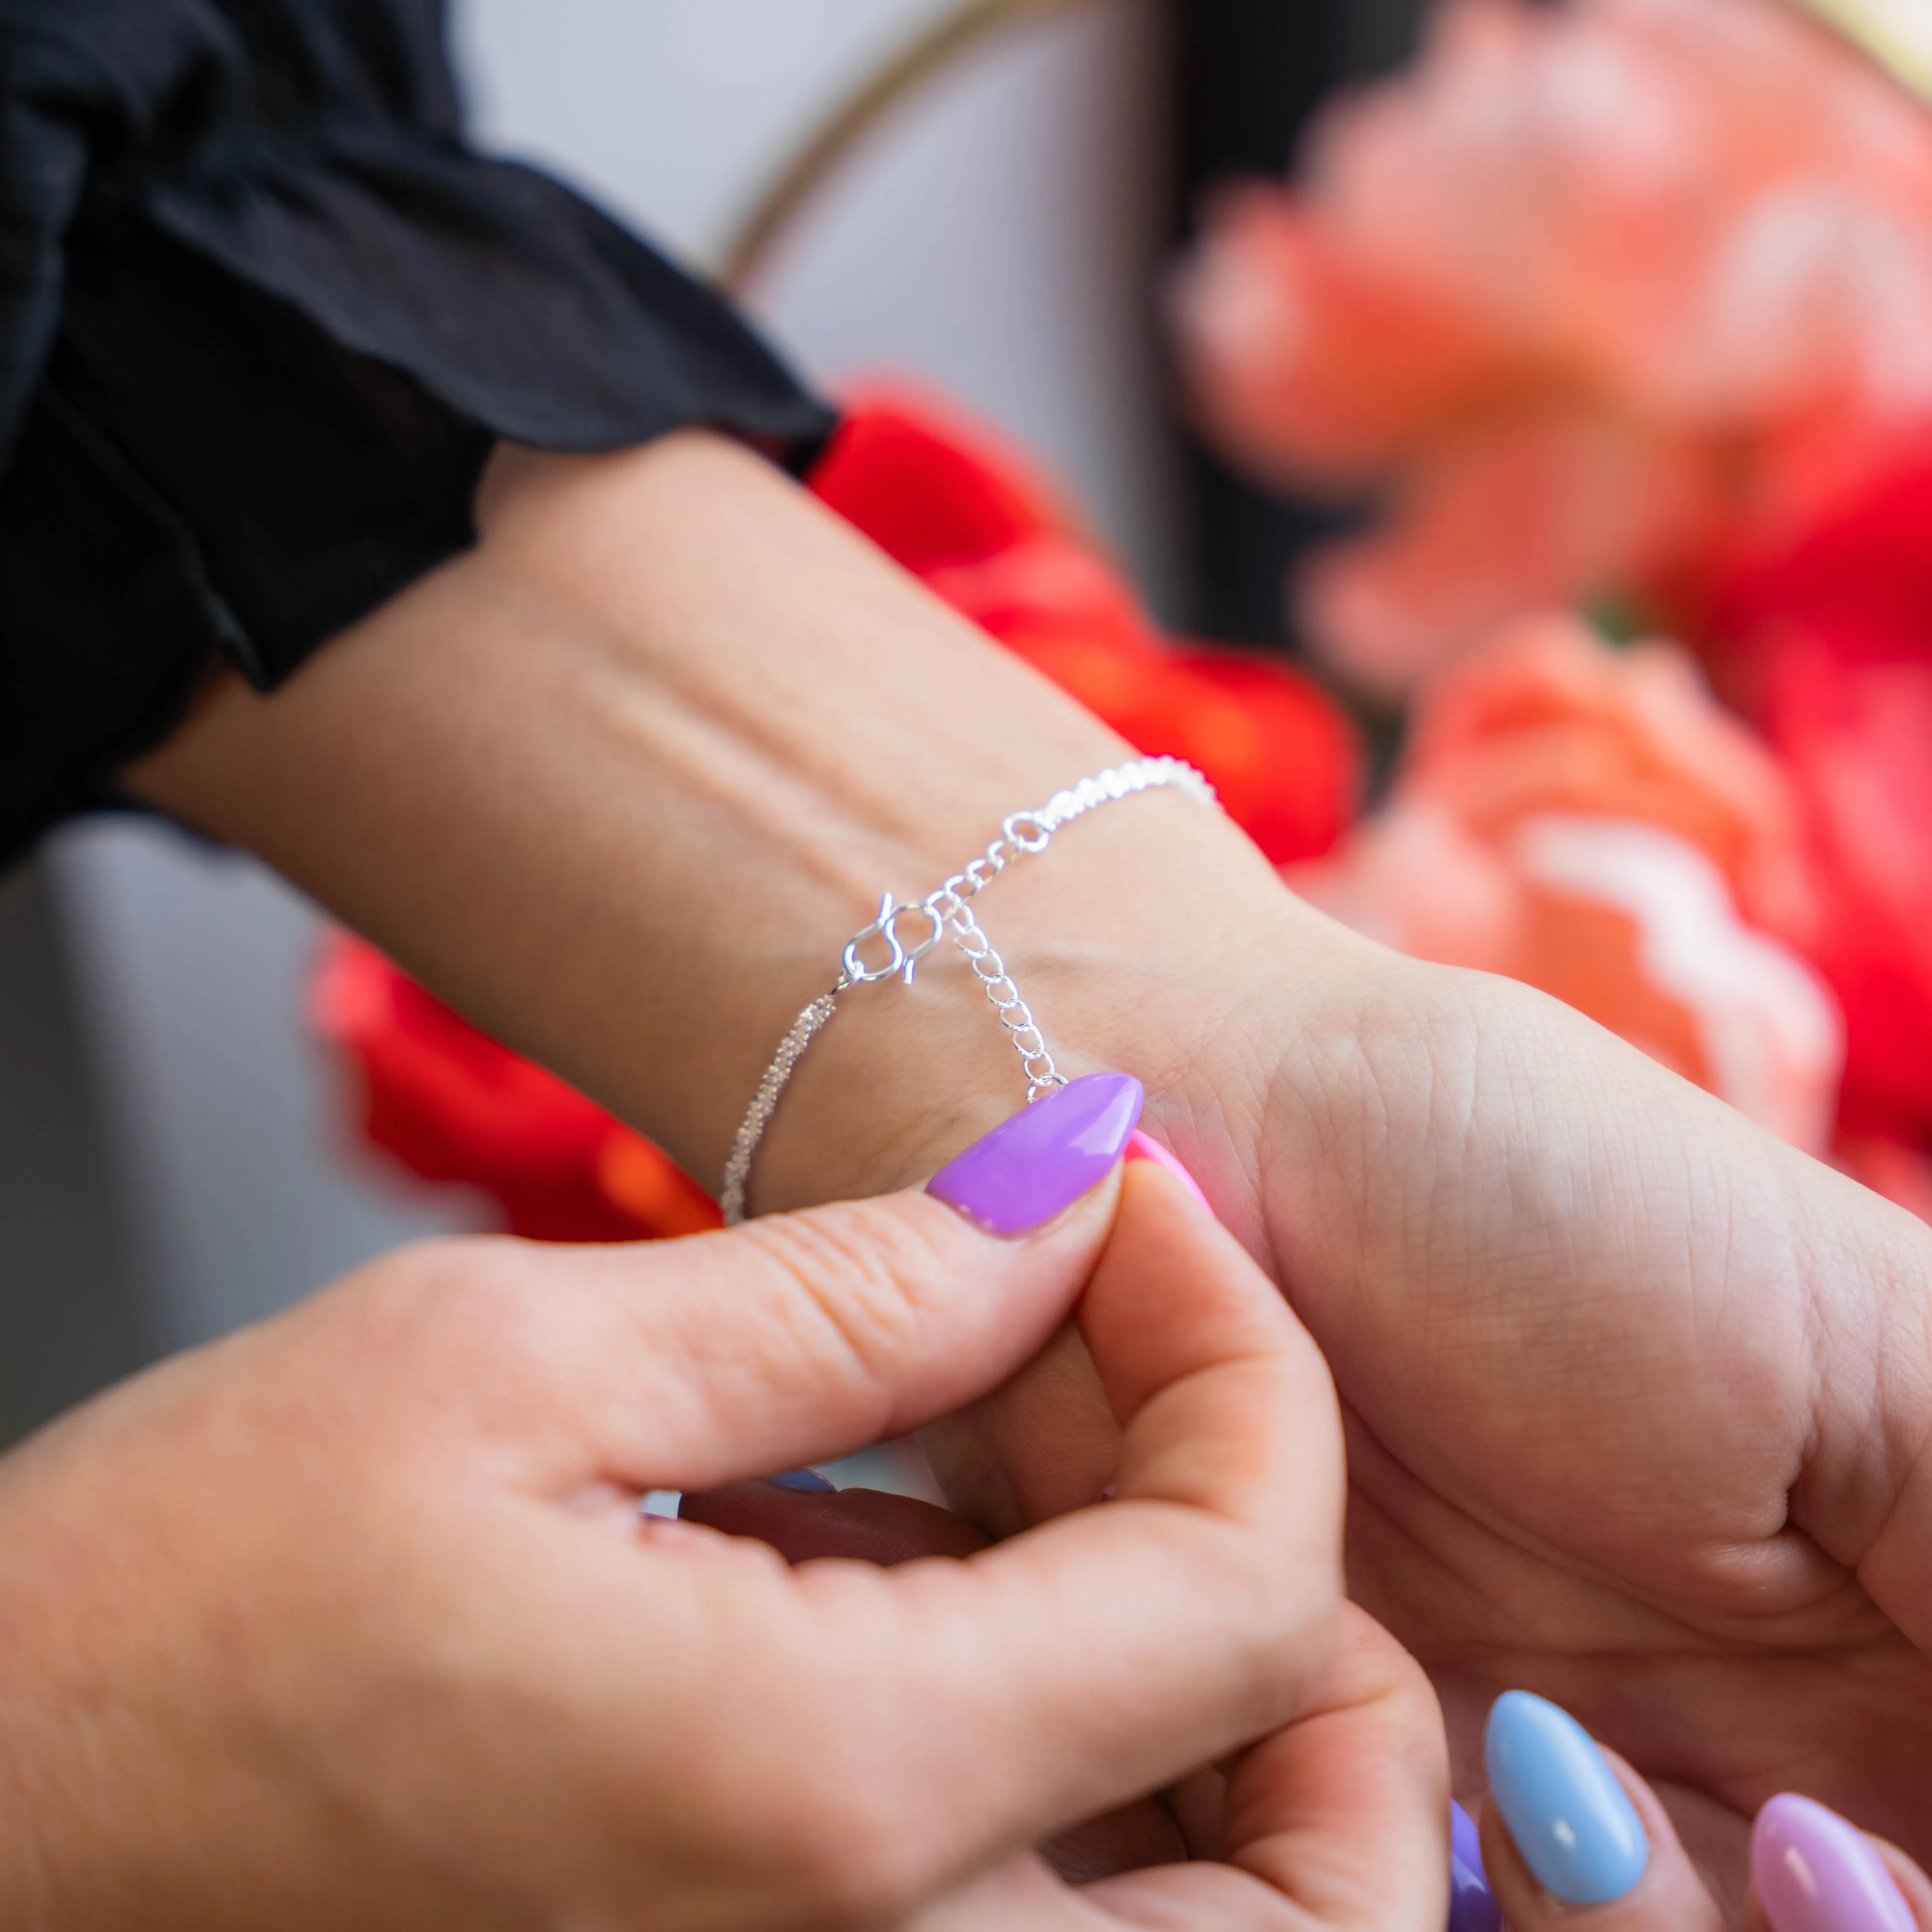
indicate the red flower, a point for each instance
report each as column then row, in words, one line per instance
column 451, row 1105
column 1860, row 572
column 1854, row 728
column 932, row 491
column 967, row 515
column 1826, row 638
column 974, row 520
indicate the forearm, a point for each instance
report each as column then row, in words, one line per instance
column 620, row 782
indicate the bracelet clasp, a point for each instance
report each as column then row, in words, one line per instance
column 903, row 961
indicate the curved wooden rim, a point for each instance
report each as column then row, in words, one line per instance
column 1901, row 43
column 929, row 53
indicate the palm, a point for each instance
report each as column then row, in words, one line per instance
column 1720, row 1710
column 1612, row 1359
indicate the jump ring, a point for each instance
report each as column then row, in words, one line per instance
column 1042, row 833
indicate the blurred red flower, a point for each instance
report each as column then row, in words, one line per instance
column 974, row 520
column 450, row 1105
column 1825, row 637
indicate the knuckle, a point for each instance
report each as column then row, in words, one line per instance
column 848, row 1861
column 1277, row 1614
column 451, row 1305
column 852, row 1846
column 1293, row 1632
column 864, row 1273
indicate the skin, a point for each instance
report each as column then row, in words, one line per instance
column 351, row 1619
column 1637, row 1398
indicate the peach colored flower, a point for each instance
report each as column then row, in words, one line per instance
column 1589, row 821
column 1589, row 286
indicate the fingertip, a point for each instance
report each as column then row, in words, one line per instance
column 1664, row 1891
column 1174, row 1290
column 1814, row 1870
column 1141, row 1145
column 1566, row 1810
column 1037, row 1162
column 802, row 1482
column 1472, row 1903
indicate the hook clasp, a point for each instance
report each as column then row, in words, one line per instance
column 903, row 960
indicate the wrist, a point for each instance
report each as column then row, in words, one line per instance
column 63, row 1767
column 1151, row 937
column 620, row 784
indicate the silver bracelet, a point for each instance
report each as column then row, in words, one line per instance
column 949, row 911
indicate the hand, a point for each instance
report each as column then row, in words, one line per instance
column 1363, row 1761
column 1637, row 1396
column 351, row 1619
column 1575, row 1841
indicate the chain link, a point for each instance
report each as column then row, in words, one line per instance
column 1015, row 1014
column 949, row 910
column 764, row 1103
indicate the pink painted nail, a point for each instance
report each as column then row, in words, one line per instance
column 1815, row 1872
column 1143, row 1146
column 1042, row 1159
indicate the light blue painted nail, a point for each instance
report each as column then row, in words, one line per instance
column 805, row 1482
column 1577, row 1830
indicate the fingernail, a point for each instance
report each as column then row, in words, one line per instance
column 1472, row 1906
column 1815, row 1872
column 806, row 1482
column 1038, row 1163
column 1575, row 1828
column 1144, row 1147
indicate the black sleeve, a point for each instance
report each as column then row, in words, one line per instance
column 262, row 316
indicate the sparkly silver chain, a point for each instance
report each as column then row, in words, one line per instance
column 949, row 912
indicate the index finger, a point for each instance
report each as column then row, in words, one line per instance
column 894, row 1731
column 1343, row 1817
column 1105, row 1654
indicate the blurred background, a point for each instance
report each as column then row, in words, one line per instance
column 1583, row 321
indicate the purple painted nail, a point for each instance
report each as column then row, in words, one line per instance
column 1045, row 1157
column 1814, row 1872
column 1472, row 1906
column 805, row 1482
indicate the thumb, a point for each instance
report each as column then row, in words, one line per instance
column 794, row 1338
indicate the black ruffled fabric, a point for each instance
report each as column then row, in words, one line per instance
column 263, row 315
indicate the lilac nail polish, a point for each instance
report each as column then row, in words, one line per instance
column 1472, row 1906
column 1815, row 1872
column 804, row 1482
column 1042, row 1159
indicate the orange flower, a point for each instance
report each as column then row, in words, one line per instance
column 1591, row 286
column 1590, row 822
